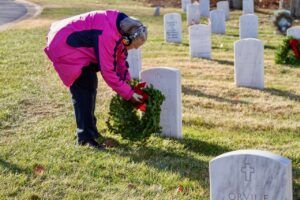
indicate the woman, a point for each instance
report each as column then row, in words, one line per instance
column 81, row 46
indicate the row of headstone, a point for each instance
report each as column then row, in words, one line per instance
column 248, row 70
column 246, row 5
column 249, row 67
column 193, row 14
column 203, row 7
column 249, row 51
column 238, row 175
column 196, row 10
column 173, row 25
column 249, row 61
column 224, row 6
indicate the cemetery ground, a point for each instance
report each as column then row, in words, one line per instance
column 38, row 156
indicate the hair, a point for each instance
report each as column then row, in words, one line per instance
column 129, row 26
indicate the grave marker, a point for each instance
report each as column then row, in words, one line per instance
column 250, row 175
column 168, row 81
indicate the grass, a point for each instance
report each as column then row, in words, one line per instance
column 37, row 124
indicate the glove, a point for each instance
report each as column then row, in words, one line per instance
column 138, row 98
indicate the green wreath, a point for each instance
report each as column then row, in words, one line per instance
column 285, row 55
column 131, row 124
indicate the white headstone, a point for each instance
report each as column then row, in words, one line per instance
column 204, row 8
column 200, row 41
column 134, row 60
column 184, row 4
column 249, row 63
column 193, row 14
column 173, row 27
column 217, row 21
column 224, row 5
column 248, row 26
column 168, row 81
column 250, row 175
column 294, row 32
column 248, row 6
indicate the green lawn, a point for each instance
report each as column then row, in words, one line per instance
column 37, row 125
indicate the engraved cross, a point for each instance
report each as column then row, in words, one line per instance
column 248, row 171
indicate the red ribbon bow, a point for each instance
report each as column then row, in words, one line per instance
column 294, row 46
column 138, row 89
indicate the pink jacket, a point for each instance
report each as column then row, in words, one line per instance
column 92, row 37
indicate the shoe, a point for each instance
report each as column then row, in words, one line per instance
column 92, row 143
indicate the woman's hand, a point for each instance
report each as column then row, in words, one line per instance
column 136, row 99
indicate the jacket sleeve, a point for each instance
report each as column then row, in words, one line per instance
column 107, row 51
column 123, row 65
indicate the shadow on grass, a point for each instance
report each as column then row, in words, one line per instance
column 202, row 147
column 233, row 34
column 283, row 93
column 198, row 93
column 267, row 46
column 185, row 44
column 223, row 62
column 296, row 186
column 13, row 168
column 263, row 11
column 184, row 164
column 168, row 160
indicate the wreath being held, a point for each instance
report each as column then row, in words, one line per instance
column 125, row 119
column 288, row 52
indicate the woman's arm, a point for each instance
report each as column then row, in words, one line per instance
column 108, row 65
column 123, row 66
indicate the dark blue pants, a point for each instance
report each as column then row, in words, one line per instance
column 84, row 92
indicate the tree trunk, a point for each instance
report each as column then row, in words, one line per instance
column 295, row 8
